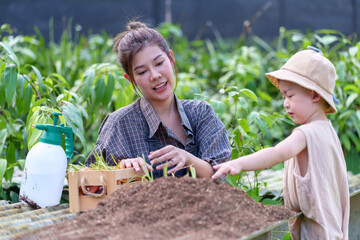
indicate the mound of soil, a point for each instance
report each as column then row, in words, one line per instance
column 170, row 208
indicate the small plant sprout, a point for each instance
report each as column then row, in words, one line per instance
column 148, row 176
column 165, row 169
column 192, row 171
column 100, row 163
column 117, row 164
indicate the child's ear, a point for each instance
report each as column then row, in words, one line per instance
column 315, row 96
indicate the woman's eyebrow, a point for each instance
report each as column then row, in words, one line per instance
column 140, row 66
column 157, row 56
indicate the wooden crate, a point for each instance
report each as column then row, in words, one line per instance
column 110, row 178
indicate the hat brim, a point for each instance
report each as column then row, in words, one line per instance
column 287, row 75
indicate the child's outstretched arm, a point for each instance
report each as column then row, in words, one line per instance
column 265, row 158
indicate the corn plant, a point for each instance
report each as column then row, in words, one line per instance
column 79, row 76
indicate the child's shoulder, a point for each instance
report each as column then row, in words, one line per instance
column 316, row 124
column 321, row 128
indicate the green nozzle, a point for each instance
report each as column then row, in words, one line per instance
column 52, row 135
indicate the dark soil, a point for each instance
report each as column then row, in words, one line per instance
column 170, row 208
column 29, row 202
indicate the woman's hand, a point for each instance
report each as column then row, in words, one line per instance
column 137, row 163
column 173, row 155
column 224, row 168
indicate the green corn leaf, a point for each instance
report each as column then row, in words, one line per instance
column 35, row 134
column 72, row 114
column 344, row 139
column 231, row 88
column 27, row 98
column 354, row 138
column 251, row 117
column 268, row 119
column 32, row 119
column 262, row 43
column 125, row 96
column 244, row 125
column 73, row 118
column 243, row 104
column 21, row 87
column 109, row 89
column 326, row 40
column 11, row 53
column 3, row 136
column 21, row 164
column 83, row 111
column 262, row 125
column 10, row 157
column 2, row 92
column 61, row 81
column 249, row 94
column 10, row 77
column 14, row 196
column 233, row 94
column 238, row 139
column 19, row 102
column 356, row 121
column 87, row 82
column 341, row 70
column 3, row 164
column 351, row 99
column 351, row 87
column 38, row 76
column 288, row 121
column 99, row 90
column 232, row 179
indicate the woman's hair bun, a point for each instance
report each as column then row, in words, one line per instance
column 135, row 25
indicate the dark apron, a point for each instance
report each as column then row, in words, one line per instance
column 154, row 144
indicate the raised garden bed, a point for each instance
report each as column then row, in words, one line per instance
column 170, row 208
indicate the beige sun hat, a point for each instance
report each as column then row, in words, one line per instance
column 309, row 69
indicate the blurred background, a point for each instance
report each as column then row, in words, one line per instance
column 197, row 18
column 57, row 56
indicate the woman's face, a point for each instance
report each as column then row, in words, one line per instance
column 153, row 73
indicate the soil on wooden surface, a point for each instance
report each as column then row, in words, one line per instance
column 170, row 208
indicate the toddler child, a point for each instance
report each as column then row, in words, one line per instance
column 315, row 175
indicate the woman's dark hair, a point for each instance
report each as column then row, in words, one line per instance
column 131, row 41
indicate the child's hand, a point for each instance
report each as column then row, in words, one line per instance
column 225, row 168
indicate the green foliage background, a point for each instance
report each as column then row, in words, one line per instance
column 80, row 77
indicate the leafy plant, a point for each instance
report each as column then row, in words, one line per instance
column 79, row 76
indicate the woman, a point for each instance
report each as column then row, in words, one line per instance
column 158, row 126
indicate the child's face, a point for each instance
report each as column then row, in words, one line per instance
column 297, row 101
column 153, row 73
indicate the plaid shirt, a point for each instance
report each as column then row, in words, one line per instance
column 135, row 130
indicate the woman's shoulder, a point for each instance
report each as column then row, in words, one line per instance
column 195, row 104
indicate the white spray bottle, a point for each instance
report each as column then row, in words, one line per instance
column 45, row 166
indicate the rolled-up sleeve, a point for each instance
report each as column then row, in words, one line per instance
column 211, row 135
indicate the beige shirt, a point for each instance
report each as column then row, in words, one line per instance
column 323, row 193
